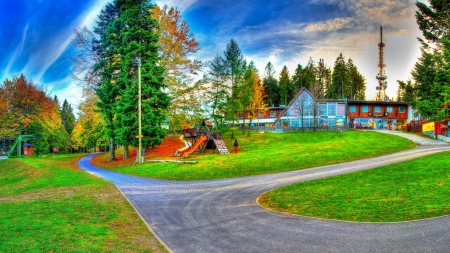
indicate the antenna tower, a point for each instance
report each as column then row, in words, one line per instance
column 381, row 77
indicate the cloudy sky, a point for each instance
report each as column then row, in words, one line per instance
column 37, row 34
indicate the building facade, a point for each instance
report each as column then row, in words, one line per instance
column 377, row 114
column 306, row 111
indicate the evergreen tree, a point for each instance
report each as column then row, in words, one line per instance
column 356, row 83
column 323, row 80
column 216, row 93
column 271, row 86
column 431, row 71
column 137, row 45
column 67, row 116
column 424, row 74
column 107, row 67
column 245, row 90
column 297, row 78
column 234, row 65
column 406, row 92
column 285, row 86
column 340, row 79
column 433, row 19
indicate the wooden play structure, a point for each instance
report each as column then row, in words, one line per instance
column 9, row 144
column 202, row 138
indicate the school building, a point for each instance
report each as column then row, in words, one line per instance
column 308, row 112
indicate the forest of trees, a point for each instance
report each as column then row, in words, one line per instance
column 133, row 33
column 429, row 91
column 27, row 108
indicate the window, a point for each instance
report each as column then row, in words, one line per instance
column 365, row 108
column 389, row 109
column 377, row 109
column 323, row 109
column 331, row 109
column 261, row 114
column 341, row 109
column 401, row 109
column 352, row 108
column 273, row 114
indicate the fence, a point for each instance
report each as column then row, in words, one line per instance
column 292, row 129
column 443, row 138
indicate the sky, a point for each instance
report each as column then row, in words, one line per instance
column 36, row 35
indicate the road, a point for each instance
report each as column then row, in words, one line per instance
column 223, row 215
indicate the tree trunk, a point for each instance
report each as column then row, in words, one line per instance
column 112, row 153
column 126, row 152
column 243, row 122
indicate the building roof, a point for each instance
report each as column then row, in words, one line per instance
column 376, row 102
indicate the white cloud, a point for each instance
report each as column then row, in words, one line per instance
column 181, row 4
column 329, row 25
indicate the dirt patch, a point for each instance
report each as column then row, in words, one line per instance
column 164, row 151
column 60, row 193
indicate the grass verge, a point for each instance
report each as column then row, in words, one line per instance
column 406, row 191
column 49, row 205
column 269, row 153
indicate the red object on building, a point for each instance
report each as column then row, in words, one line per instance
column 441, row 129
column 27, row 149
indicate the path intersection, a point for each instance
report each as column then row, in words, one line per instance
column 223, row 215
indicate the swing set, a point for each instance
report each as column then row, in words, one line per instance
column 8, row 144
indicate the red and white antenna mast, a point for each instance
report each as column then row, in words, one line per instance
column 381, row 77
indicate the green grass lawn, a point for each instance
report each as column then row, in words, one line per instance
column 411, row 190
column 48, row 205
column 270, row 152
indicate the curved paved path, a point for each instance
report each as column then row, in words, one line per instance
column 223, row 216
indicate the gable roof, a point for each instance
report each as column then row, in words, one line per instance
column 303, row 89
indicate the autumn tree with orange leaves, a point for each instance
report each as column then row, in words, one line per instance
column 177, row 47
column 26, row 102
column 258, row 105
column 27, row 109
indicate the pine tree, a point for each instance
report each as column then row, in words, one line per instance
column 433, row 19
column 340, row 79
column 106, row 68
column 271, row 85
column 323, row 80
column 67, row 116
column 245, row 90
column 137, row 45
column 431, row 71
column 356, row 83
column 217, row 92
column 234, row 65
column 285, row 86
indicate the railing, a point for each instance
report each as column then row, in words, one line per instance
column 294, row 129
column 415, row 126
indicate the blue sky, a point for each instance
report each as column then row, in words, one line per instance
column 37, row 34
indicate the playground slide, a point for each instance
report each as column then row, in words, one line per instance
column 195, row 146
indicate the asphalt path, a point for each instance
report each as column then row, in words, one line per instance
column 223, row 215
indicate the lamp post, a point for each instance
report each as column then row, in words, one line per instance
column 139, row 153
column 345, row 112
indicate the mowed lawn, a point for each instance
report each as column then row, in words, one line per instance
column 411, row 190
column 269, row 153
column 49, row 205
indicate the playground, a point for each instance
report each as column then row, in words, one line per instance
column 260, row 154
column 16, row 146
